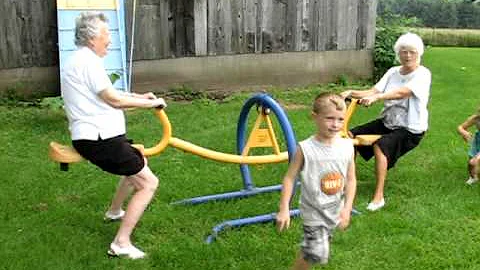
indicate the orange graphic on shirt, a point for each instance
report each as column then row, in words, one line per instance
column 331, row 183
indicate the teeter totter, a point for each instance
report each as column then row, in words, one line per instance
column 260, row 137
column 65, row 155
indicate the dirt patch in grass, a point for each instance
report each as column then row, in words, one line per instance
column 291, row 106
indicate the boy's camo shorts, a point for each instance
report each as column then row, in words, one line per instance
column 316, row 244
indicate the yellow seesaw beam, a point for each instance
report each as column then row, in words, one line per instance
column 224, row 157
column 66, row 154
column 167, row 139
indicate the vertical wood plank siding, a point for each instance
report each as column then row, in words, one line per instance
column 28, row 33
column 181, row 28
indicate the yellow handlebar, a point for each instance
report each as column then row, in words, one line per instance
column 348, row 115
column 167, row 135
column 365, row 139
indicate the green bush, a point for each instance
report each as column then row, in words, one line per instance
column 387, row 31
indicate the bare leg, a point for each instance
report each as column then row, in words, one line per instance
column 300, row 263
column 471, row 170
column 381, row 164
column 473, row 166
column 145, row 184
column 124, row 189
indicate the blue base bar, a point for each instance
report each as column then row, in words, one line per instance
column 355, row 212
column 252, row 220
column 230, row 195
column 245, row 221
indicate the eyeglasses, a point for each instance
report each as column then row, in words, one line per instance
column 408, row 52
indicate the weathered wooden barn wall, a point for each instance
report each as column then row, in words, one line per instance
column 28, row 47
column 28, row 33
column 172, row 29
column 224, row 27
column 225, row 30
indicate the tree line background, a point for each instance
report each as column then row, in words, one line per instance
column 434, row 13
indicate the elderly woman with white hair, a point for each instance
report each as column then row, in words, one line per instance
column 97, row 126
column 405, row 91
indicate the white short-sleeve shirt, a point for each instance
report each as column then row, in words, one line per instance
column 410, row 113
column 89, row 116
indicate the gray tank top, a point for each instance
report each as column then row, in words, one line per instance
column 323, row 178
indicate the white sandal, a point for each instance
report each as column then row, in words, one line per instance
column 109, row 216
column 130, row 251
column 471, row 180
column 374, row 206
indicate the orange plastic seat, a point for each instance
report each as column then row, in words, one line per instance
column 65, row 154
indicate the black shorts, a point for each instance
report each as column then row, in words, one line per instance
column 394, row 143
column 114, row 155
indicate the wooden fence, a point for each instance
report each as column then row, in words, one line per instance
column 28, row 33
column 180, row 28
column 219, row 27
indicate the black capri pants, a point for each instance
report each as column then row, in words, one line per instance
column 114, row 155
column 394, row 143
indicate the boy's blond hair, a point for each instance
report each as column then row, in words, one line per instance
column 328, row 98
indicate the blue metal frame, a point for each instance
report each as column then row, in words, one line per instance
column 249, row 189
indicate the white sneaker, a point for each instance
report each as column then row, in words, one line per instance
column 130, row 251
column 471, row 180
column 374, row 206
column 110, row 216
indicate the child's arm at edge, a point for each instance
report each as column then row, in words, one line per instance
column 283, row 215
column 350, row 190
column 463, row 128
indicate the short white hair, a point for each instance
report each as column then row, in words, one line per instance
column 87, row 27
column 409, row 40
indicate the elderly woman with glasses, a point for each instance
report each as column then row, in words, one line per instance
column 405, row 92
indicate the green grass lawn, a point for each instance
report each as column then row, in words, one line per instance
column 53, row 220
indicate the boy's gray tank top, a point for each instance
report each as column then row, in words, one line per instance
column 318, row 208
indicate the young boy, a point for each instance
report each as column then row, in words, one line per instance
column 326, row 164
